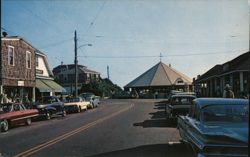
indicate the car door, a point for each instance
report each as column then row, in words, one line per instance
column 17, row 113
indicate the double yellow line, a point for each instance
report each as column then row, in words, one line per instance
column 67, row 135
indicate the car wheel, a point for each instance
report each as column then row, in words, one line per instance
column 28, row 121
column 86, row 108
column 48, row 116
column 4, row 125
column 64, row 113
column 91, row 106
column 79, row 109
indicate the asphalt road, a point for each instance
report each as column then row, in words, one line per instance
column 129, row 128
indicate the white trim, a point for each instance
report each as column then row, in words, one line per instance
column 218, row 76
column 10, row 39
column 37, row 61
column 28, row 52
column 9, row 46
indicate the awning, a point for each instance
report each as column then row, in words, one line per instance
column 42, row 87
column 52, row 84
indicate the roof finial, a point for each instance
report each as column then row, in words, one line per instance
column 160, row 56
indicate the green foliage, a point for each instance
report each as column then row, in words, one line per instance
column 104, row 88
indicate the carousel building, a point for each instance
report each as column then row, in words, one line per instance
column 159, row 80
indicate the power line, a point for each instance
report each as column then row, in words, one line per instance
column 98, row 13
column 95, row 18
column 56, row 43
column 8, row 30
column 41, row 19
column 156, row 56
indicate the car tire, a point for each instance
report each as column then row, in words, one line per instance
column 79, row 109
column 4, row 125
column 48, row 116
column 28, row 121
column 64, row 113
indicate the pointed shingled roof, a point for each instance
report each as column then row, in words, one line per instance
column 160, row 75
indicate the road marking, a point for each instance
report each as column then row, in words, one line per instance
column 69, row 134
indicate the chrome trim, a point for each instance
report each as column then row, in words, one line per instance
column 24, row 117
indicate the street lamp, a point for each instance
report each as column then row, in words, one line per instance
column 76, row 63
column 84, row 45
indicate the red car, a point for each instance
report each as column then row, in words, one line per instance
column 15, row 113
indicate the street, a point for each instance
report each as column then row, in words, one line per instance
column 129, row 127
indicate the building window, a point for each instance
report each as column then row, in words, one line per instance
column 37, row 63
column 11, row 55
column 28, row 59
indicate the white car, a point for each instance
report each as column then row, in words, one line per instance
column 94, row 100
column 76, row 104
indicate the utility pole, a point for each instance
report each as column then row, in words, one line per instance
column 108, row 71
column 76, row 66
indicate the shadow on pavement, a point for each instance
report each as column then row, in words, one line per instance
column 161, row 102
column 158, row 118
column 158, row 115
column 157, row 123
column 156, row 150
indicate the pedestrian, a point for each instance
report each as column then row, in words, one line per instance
column 156, row 95
column 228, row 93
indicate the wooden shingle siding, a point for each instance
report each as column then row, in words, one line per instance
column 19, row 72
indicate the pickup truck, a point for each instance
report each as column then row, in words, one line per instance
column 76, row 104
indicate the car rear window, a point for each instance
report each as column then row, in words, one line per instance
column 226, row 113
column 182, row 100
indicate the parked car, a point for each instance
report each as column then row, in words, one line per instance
column 216, row 127
column 94, row 100
column 176, row 92
column 50, row 106
column 178, row 105
column 76, row 104
column 15, row 113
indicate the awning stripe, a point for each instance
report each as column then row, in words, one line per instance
column 52, row 84
column 42, row 87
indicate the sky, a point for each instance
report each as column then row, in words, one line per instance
column 130, row 35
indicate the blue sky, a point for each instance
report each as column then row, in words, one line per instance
column 192, row 35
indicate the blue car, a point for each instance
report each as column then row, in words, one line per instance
column 216, row 127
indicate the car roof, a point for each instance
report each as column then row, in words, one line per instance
column 183, row 95
column 87, row 93
column 49, row 97
column 202, row 102
column 78, row 97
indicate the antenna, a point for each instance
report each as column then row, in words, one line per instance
column 160, row 56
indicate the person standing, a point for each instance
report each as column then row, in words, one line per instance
column 228, row 93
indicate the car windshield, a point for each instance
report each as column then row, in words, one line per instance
column 74, row 100
column 46, row 100
column 226, row 113
column 5, row 108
